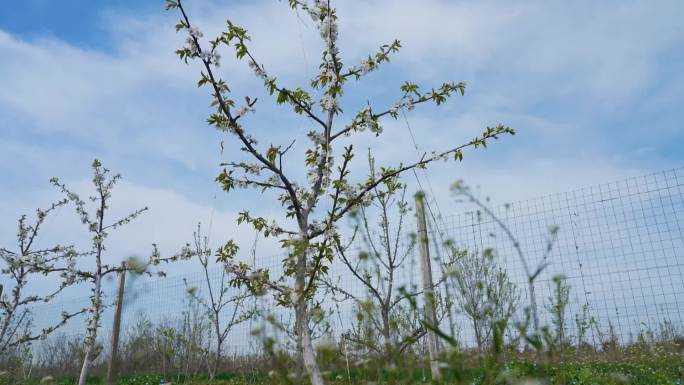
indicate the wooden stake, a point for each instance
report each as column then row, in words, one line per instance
column 428, row 292
column 116, row 328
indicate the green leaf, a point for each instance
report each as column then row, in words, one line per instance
column 170, row 4
column 282, row 97
column 271, row 154
column 226, row 180
column 181, row 25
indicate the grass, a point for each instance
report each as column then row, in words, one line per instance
column 647, row 371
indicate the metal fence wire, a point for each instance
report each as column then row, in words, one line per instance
column 620, row 246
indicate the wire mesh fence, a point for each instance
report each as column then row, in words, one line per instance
column 619, row 245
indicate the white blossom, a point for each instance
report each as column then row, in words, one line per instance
column 317, row 138
column 258, row 71
column 190, row 42
column 211, row 57
column 328, row 71
column 396, row 107
column 367, row 66
column 244, row 110
column 330, row 232
column 253, row 168
column 328, row 29
column 300, row 193
column 367, row 117
column 326, row 179
column 312, row 177
column 191, row 46
column 317, row 226
column 315, row 10
column 274, row 180
column 194, row 32
column 329, row 102
column 275, row 228
column 327, row 24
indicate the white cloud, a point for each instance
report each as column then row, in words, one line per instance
column 137, row 107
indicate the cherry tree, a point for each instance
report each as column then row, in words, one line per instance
column 99, row 230
column 18, row 268
column 311, row 232
column 221, row 298
column 384, row 307
column 485, row 293
column 532, row 273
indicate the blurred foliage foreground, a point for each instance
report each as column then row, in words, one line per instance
column 654, row 366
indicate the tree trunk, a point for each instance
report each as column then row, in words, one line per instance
column 478, row 335
column 86, row 365
column 386, row 326
column 217, row 361
column 304, row 343
column 92, row 337
column 219, row 342
column 387, row 337
column 535, row 320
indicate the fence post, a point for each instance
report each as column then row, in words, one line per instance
column 428, row 292
column 116, row 328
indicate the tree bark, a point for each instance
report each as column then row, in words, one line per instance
column 90, row 345
column 219, row 342
column 306, row 345
column 217, row 361
column 304, row 342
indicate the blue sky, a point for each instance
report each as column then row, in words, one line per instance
column 594, row 89
column 74, row 21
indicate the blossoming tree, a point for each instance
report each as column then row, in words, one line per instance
column 383, row 308
column 21, row 266
column 310, row 238
column 221, row 299
column 99, row 230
